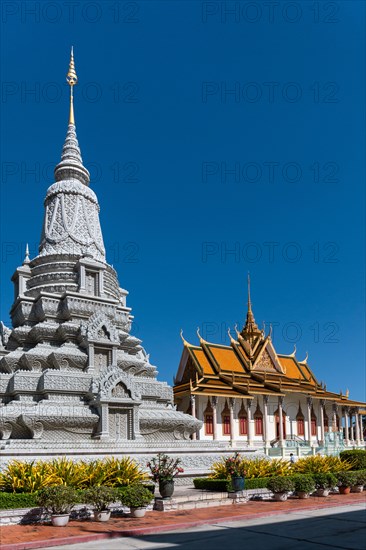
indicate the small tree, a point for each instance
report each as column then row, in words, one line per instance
column 281, row 484
column 136, row 495
column 101, row 497
column 57, row 500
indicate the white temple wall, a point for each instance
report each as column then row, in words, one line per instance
column 295, row 407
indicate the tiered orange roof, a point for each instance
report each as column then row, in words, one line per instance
column 248, row 367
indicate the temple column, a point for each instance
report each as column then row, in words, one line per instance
column 309, row 402
column 346, row 432
column 322, row 405
column 265, row 424
column 280, row 420
column 232, row 424
column 250, row 423
column 358, row 442
column 361, row 429
column 103, row 432
column 351, row 430
column 334, row 417
column 193, row 412
column 214, row 417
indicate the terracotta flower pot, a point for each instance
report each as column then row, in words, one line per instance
column 280, row 497
column 302, row 494
column 357, row 489
column 103, row 515
column 60, row 520
column 344, row 490
column 322, row 492
column 138, row 512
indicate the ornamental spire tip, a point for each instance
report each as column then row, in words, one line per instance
column 71, row 79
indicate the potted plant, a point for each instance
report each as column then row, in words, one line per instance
column 100, row 497
column 359, row 481
column 304, row 485
column 164, row 469
column 344, row 482
column 58, row 501
column 234, row 468
column 280, row 487
column 324, row 483
column 137, row 497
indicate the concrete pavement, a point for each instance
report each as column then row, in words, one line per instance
column 342, row 527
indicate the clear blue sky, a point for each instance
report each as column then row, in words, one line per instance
column 171, row 96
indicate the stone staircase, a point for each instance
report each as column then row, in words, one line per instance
column 188, row 499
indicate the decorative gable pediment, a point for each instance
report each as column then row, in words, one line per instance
column 267, row 360
column 99, row 328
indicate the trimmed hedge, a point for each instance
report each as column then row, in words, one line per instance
column 9, row 501
column 211, row 484
column 225, row 485
column 356, row 457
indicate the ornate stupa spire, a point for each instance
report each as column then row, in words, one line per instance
column 71, row 223
column 71, row 165
column 71, row 79
column 250, row 328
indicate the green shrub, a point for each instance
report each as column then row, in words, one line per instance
column 101, row 497
column 304, row 483
column 58, row 499
column 252, row 468
column 10, row 501
column 136, row 495
column 319, row 465
column 257, row 483
column 209, row 484
column 360, row 477
column 325, row 481
column 29, row 477
column 222, row 485
column 346, row 479
column 281, row 484
column 356, row 457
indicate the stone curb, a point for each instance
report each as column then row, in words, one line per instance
column 76, row 539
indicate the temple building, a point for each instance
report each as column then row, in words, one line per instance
column 73, row 379
column 248, row 394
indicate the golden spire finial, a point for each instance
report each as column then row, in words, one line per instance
column 71, row 79
column 249, row 300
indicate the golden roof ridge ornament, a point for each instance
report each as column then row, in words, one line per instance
column 250, row 330
column 71, row 79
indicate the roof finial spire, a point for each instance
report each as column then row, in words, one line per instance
column 249, row 301
column 250, row 329
column 26, row 258
column 71, row 79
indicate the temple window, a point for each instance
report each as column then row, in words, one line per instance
column 208, row 424
column 208, row 419
column 243, row 425
column 300, row 421
column 226, row 424
column 258, row 421
column 225, row 416
column 243, row 421
column 300, row 426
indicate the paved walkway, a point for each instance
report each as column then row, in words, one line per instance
column 336, row 522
